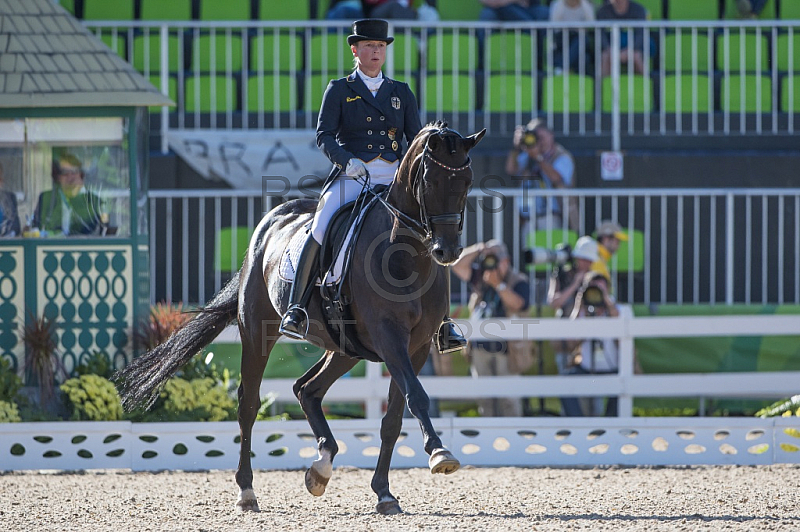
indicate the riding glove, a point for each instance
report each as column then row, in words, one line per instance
column 356, row 168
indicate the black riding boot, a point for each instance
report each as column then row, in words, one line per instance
column 295, row 321
column 449, row 338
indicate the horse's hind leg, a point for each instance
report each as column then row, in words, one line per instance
column 310, row 389
column 259, row 332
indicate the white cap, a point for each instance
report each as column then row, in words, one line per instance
column 585, row 248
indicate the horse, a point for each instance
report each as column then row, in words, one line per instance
column 397, row 284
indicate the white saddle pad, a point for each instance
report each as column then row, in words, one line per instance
column 291, row 255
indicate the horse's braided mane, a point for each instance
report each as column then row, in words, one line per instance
column 418, row 144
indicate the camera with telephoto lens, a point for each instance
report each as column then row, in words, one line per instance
column 489, row 263
column 529, row 138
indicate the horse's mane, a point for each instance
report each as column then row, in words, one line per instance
column 416, row 147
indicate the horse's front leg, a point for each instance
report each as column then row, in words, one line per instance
column 310, row 390
column 398, row 362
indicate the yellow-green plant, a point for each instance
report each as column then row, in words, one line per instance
column 92, row 398
column 198, row 400
column 9, row 413
column 784, row 407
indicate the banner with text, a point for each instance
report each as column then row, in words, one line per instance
column 243, row 158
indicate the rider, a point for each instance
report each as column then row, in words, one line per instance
column 362, row 121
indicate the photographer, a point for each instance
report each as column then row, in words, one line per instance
column 565, row 281
column 543, row 163
column 497, row 291
column 595, row 355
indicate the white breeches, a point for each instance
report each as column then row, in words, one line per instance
column 345, row 189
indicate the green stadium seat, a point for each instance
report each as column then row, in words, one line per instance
column 198, row 94
column 329, row 52
column 699, row 87
column 508, row 93
column 793, row 91
column 572, row 93
column 210, row 52
column 272, row 93
column 450, row 93
column 284, row 10
column 783, row 44
column 231, row 246
column 286, row 47
column 790, row 10
column 115, row 43
column 693, row 9
column 635, row 94
column 507, row 50
column 692, row 48
column 549, row 239
column 314, row 89
column 740, row 93
column 108, row 9
column 225, row 10
column 452, row 52
column 768, row 13
column 459, row 9
column 69, row 5
column 629, row 258
column 734, row 42
column 172, row 90
column 655, row 8
column 165, row 10
column 403, row 54
column 147, row 53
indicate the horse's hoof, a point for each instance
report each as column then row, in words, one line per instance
column 247, row 502
column 315, row 482
column 388, row 507
column 443, row 461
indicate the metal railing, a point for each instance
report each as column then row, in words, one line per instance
column 687, row 245
column 698, row 78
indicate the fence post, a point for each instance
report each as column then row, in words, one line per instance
column 164, row 85
column 616, row 142
column 729, row 248
column 626, row 363
column 374, row 401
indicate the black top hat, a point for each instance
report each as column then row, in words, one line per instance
column 370, row 29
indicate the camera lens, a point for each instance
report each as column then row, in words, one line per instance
column 593, row 296
column 489, row 262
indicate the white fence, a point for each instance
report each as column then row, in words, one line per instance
column 698, row 77
column 479, row 442
column 699, row 246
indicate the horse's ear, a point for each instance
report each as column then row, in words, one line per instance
column 433, row 142
column 474, row 139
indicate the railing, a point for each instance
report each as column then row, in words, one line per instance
column 697, row 78
column 686, row 246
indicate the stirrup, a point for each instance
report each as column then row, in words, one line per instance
column 294, row 332
column 449, row 338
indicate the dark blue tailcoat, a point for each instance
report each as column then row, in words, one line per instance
column 354, row 123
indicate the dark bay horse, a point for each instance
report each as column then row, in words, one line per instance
column 397, row 284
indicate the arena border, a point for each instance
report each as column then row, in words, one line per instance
column 485, row 442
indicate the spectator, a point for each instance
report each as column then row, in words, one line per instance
column 609, row 236
column 383, row 9
column 563, row 287
column 543, row 163
column 566, row 12
column 595, row 356
column 68, row 208
column 513, row 10
column 497, row 291
column 620, row 10
column 751, row 8
column 9, row 216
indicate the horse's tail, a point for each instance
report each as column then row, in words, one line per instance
column 142, row 379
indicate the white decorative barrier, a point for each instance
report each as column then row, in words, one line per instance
column 475, row 441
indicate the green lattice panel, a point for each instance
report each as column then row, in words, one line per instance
column 12, row 304
column 89, row 292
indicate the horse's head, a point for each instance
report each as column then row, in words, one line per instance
column 440, row 179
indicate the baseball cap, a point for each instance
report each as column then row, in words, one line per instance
column 495, row 247
column 585, row 248
column 609, row 228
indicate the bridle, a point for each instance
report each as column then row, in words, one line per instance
column 422, row 229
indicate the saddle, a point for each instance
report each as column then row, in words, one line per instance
column 340, row 238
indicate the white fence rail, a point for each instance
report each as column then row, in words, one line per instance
column 521, row 442
column 698, row 77
column 699, row 246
